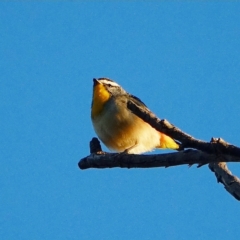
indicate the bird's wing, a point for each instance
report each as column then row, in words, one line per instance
column 137, row 101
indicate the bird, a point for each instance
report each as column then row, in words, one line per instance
column 117, row 127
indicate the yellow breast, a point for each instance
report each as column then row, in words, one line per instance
column 100, row 97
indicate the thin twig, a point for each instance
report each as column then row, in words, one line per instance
column 224, row 176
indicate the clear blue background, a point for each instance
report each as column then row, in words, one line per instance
column 181, row 59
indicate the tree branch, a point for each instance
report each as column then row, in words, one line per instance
column 100, row 159
column 123, row 160
column 224, row 176
column 216, row 145
column 212, row 152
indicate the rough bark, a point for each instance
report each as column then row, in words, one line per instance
column 99, row 159
column 224, row 176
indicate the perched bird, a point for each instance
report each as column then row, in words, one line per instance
column 117, row 127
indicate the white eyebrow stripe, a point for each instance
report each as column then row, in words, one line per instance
column 105, row 81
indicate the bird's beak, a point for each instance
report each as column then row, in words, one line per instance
column 95, row 82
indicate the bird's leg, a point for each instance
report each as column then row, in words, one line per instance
column 121, row 154
column 127, row 151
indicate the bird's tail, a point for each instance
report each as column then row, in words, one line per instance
column 167, row 142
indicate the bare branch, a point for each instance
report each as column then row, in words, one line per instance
column 123, row 160
column 212, row 152
column 217, row 145
column 224, row 176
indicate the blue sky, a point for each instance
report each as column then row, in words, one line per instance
column 181, row 59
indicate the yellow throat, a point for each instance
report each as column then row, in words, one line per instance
column 100, row 97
